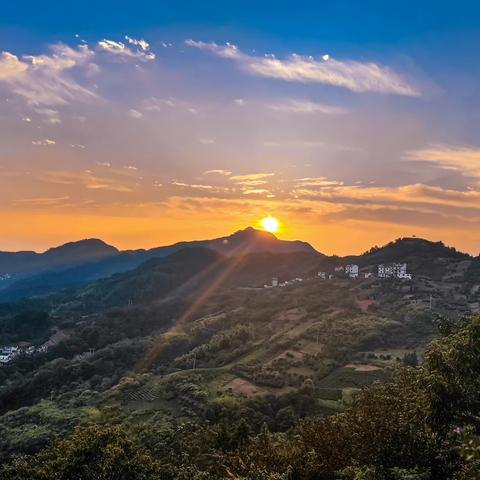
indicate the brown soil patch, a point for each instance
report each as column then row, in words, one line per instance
column 363, row 367
column 240, row 386
column 364, row 304
column 292, row 353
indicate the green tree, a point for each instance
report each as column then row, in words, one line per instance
column 97, row 452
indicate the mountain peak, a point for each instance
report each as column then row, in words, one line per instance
column 251, row 232
column 93, row 246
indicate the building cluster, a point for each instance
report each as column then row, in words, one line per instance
column 393, row 270
column 9, row 352
column 5, row 276
column 276, row 283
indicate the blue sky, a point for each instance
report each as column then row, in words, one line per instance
column 354, row 122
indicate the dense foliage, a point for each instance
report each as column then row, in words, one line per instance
column 422, row 425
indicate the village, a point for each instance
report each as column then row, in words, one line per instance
column 9, row 352
column 394, row 270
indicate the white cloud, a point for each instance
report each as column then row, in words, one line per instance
column 43, row 143
column 218, row 171
column 206, row 141
column 255, row 191
column 305, row 106
column 11, row 66
column 351, row 74
column 43, row 80
column 121, row 50
column 145, row 46
column 135, row 114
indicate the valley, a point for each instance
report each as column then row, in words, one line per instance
column 196, row 337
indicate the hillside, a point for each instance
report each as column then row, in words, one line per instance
column 14, row 263
column 196, row 337
column 77, row 263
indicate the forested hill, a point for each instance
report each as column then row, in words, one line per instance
column 421, row 425
column 25, row 274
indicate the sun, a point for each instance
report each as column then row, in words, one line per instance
column 270, row 224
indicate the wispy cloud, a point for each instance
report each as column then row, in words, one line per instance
column 323, row 182
column 88, row 180
column 206, row 141
column 218, row 171
column 43, row 80
column 464, row 159
column 135, row 114
column 305, row 107
column 44, row 143
column 41, row 201
column 251, row 177
column 351, row 74
column 138, row 49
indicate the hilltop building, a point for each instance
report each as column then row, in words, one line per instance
column 275, row 282
column 322, row 275
column 351, row 271
column 339, row 269
column 394, row 270
column 8, row 352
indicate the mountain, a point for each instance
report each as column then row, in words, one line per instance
column 192, row 270
column 81, row 262
column 245, row 241
column 72, row 253
column 423, row 257
column 194, row 336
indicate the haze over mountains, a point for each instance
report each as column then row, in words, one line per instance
column 28, row 273
column 188, row 332
column 262, row 254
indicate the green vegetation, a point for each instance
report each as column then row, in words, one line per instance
column 203, row 371
column 422, row 424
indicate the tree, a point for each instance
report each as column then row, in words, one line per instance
column 97, row 452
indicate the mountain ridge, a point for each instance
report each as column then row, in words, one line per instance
column 34, row 275
column 105, row 260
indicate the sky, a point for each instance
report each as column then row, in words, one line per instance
column 143, row 124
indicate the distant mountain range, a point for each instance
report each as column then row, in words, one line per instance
column 263, row 256
column 77, row 263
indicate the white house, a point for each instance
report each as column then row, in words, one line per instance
column 368, row 274
column 322, row 275
column 351, row 271
column 394, row 270
column 9, row 350
column 274, row 282
column 339, row 269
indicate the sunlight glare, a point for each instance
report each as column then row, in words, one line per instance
column 270, row 224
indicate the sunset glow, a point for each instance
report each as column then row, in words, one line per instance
column 150, row 135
